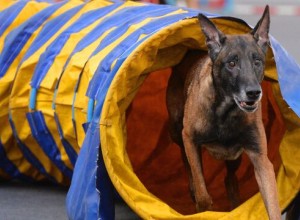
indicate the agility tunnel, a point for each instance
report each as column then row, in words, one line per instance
column 82, row 96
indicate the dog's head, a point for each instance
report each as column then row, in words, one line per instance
column 238, row 61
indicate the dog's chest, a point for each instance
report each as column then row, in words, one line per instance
column 226, row 138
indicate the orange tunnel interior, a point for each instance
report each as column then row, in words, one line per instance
column 157, row 161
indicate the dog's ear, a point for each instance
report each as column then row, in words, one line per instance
column 214, row 37
column 261, row 30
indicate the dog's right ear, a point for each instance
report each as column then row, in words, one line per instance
column 214, row 37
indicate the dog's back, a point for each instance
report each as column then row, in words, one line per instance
column 195, row 61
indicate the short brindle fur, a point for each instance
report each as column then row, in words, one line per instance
column 213, row 100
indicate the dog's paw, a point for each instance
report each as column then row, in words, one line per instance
column 204, row 205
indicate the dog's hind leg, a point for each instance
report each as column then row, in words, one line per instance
column 231, row 182
column 175, row 106
column 188, row 170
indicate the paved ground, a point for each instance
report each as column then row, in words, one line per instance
column 19, row 201
column 47, row 202
column 28, row 202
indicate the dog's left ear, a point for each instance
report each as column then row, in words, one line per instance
column 214, row 37
column 261, row 30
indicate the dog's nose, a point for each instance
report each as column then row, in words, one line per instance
column 253, row 93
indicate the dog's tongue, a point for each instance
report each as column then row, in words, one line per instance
column 243, row 104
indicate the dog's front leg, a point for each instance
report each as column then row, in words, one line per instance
column 264, row 174
column 203, row 199
column 265, row 178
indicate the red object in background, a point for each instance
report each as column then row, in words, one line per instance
column 216, row 4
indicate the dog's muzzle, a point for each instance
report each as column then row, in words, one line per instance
column 247, row 105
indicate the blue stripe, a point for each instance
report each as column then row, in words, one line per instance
column 8, row 15
column 104, row 67
column 288, row 76
column 90, row 17
column 113, row 21
column 50, row 29
column 48, row 57
column 83, row 197
column 15, row 41
column 10, row 168
column 48, row 1
column 72, row 154
column 28, row 154
column 43, row 136
column 107, row 190
column 125, row 24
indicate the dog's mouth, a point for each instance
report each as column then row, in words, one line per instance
column 247, row 106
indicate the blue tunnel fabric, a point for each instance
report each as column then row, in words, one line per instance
column 288, row 75
column 91, row 194
column 8, row 15
column 18, row 37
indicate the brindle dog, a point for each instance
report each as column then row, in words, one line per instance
column 213, row 100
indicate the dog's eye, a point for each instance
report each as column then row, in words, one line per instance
column 231, row 64
column 257, row 62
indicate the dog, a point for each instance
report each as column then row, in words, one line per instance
column 213, row 102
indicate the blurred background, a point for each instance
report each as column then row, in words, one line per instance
column 285, row 17
column 47, row 202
